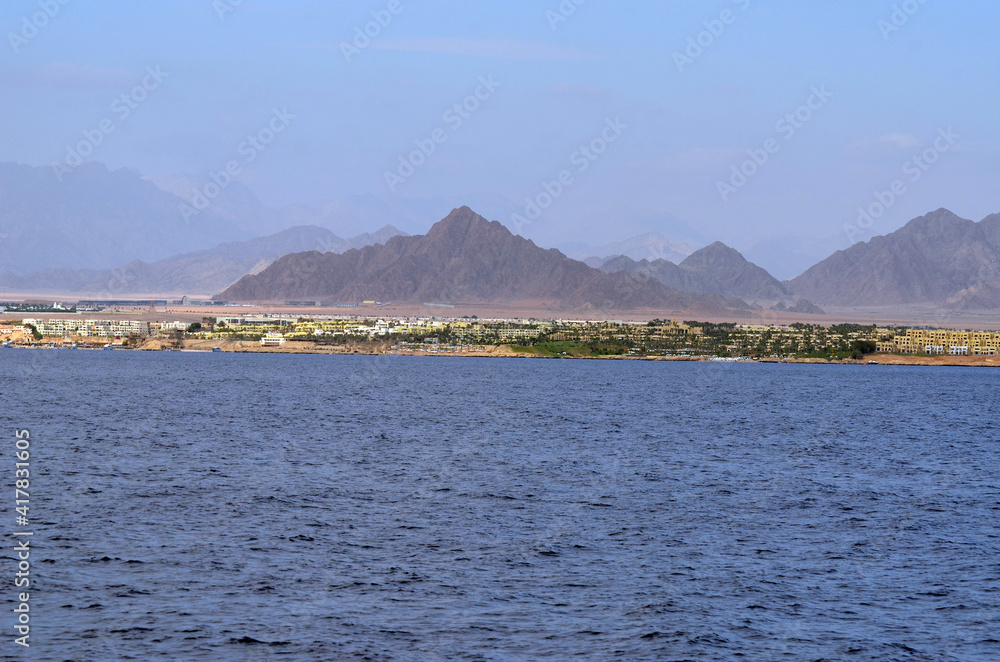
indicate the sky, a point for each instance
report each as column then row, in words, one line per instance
column 760, row 124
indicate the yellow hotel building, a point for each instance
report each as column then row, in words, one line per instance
column 940, row 341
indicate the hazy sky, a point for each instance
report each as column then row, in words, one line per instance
column 672, row 94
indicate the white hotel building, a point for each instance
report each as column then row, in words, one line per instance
column 90, row 328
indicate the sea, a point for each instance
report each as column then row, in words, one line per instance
column 207, row 506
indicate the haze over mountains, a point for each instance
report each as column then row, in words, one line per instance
column 93, row 217
column 102, row 232
column 99, row 233
column 240, row 205
column 647, row 246
column 199, row 272
column 464, row 259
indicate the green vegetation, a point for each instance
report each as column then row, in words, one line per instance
column 554, row 348
column 533, row 350
column 861, row 348
column 691, row 338
column 846, row 329
column 570, row 349
column 35, row 333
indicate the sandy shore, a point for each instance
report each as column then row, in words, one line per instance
column 897, row 359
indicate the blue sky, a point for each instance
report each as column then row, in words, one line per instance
column 555, row 85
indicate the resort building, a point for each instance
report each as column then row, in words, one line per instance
column 64, row 328
column 943, row 341
column 272, row 340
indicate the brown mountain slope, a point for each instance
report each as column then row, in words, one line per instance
column 714, row 269
column 463, row 258
column 938, row 259
column 725, row 271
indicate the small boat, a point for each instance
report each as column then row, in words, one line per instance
column 873, row 363
column 108, row 347
column 216, row 349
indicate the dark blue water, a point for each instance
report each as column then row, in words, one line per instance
column 257, row 507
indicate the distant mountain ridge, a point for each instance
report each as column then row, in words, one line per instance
column 199, row 272
column 716, row 269
column 93, row 216
column 939, row 259
column 99, row 232
column 648, row 246
column 236, row 203
column 463, row 258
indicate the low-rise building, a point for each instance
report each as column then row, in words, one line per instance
column 272, row 340
column 64, row 328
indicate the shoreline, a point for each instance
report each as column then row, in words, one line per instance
column 902, row 315
column 504, row 351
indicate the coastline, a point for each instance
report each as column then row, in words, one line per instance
column 504, row 351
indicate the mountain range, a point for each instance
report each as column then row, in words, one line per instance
column 464, row 258
column 198, row 272
column 649, row 245
column 716, row 269
column 100, row 232
column 938, row 259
